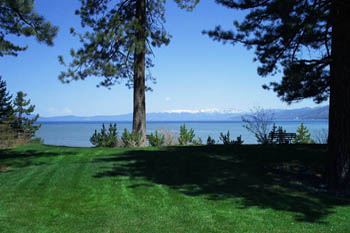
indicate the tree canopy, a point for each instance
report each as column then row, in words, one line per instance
column 109, row 47
column 17, row 17
column 6, row 109
column 294, row 36
column 118, row 46
column 23, row 111
column 309, row 41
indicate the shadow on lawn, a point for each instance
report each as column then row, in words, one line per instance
column 223, row 172
column 19, row 159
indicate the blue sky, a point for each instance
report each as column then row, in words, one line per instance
column 193, row 72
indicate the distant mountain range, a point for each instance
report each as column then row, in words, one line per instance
column 317, row 113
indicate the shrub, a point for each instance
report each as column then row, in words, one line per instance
column 170, row 137
column 186, row 136
column 197, row 142
column 105, row 138
column 210, row 141
column 8, row 136
column 225, row 138
column 132, row 139
column 258, row 123
column 11, row 137
column 303, row 136
column 37, row 140
column 157, row 139
column 239, row 140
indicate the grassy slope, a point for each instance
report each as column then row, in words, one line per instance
column 179, row 189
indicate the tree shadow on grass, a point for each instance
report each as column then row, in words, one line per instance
column 223, row 172
column 24, row 158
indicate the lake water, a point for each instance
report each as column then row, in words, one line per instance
column 78, row 133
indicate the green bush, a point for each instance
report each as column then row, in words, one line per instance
column 105, row 138
column 197, row 142
column 303, row 136
column 37, row 140
column 132, row 139
column 225, row 138
column 210, row 141
column 186, row 136
column 156, row 139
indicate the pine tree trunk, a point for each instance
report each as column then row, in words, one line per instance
column 339, row 114
column 139, row 114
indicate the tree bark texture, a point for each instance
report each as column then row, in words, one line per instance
column 139, row 113
column 338, row 164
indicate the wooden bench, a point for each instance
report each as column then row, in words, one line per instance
column 281, row 138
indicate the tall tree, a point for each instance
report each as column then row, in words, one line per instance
column 6, row 109
column 23, row 111
column 309, row 40
column 119, row 46
column 17, row 17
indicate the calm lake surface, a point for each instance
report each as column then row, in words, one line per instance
column 78, row 133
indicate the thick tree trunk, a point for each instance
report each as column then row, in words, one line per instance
column 339, row 114
column 139, row 114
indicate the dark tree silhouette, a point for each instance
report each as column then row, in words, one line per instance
column 309, row 40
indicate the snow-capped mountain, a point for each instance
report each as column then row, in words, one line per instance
column 317, row 113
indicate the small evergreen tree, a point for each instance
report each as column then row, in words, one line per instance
column 210, row 141
column 105, row 138
column 303, row 136
column 6, row 109
column 22, row 110
column 186, row 136
column 133, row 139
column 156, row 139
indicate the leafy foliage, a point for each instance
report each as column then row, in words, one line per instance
column 22, row 110
column 197, row 142
column 303, row 136
column 118, row 46
column 281, row 31
column 110, row 46
column 156, row 139
column 210, row 141
column 225, row 138
column 6, row 109
column 105, row 138
column 239, row 140
column 133, row 139
column 18, row 18
column 37, row 140
column 8, row 136
column 17, row 125
column 186, row 136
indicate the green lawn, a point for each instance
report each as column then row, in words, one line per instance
column 174, row 189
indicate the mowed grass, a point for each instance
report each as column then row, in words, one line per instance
column 174, row 189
